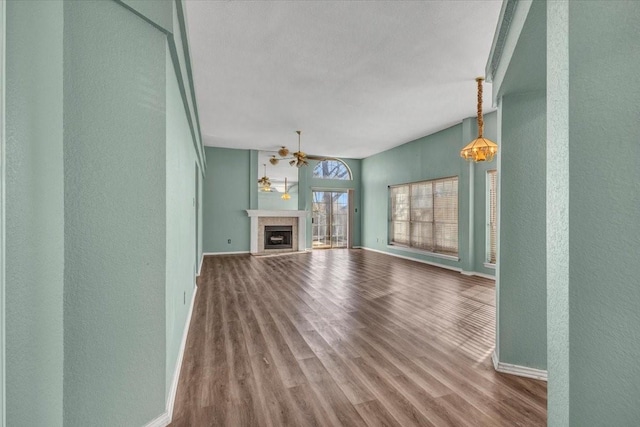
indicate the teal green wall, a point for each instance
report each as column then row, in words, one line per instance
column 226, row 197
column 588, row 108
column 307, row 184
column 200, row 219
column 102, row 160
column 230, row 189
column 521, row 288
column 431, row 157
column 115, row 216
column 557, row 172
column 182, row 256
column 34, row 214
column 480, row 219
column 522, row 276
column 604, row 232
column 273, row 201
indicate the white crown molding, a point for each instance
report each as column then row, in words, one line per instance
column 512, row 18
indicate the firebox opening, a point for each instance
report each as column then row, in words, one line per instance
column 278, row 236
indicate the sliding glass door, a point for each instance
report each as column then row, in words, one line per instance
column 330, row 219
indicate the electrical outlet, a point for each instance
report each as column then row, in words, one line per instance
column 229, row 241
column 377, row 240
column 184, row 297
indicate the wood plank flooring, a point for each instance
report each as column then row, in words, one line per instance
column 345, row 338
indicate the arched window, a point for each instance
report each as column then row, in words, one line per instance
column 332, row 169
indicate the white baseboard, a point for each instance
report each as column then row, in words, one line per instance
column 165, row 418
column 224, row 253
column 162, row 421
column 521, row 371
column 435, row 264
column 176, row 374
column 475, row 273
column 200, row 265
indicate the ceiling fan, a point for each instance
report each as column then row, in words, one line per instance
column 297, row 159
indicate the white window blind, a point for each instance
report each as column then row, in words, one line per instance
column 492, row 215
column 424, row 215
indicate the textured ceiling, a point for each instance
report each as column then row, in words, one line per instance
column 356, row 77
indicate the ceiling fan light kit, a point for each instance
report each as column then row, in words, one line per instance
column 264, row 182
column 299, row 158
column 480, row 149
column 286, row 195
column 283, row 151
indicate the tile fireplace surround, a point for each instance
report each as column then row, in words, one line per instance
column 261, row 218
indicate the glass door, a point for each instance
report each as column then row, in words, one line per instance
column 330, row 219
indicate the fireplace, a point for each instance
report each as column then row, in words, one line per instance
column 278, row 236
column 296, row 220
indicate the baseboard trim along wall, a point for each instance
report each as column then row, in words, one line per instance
column 162, row 421
column 224, row 253
column 521, row 371
column 475, row 273
column 200, row 265
column 435, row 264
column 165, row 418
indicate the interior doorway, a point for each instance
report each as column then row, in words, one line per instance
column 330, row 219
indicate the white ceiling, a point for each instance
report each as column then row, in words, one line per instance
column 356, row 77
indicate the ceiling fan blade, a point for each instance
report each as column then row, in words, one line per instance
column 320, row 158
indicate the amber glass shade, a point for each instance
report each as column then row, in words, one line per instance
column 479, row 150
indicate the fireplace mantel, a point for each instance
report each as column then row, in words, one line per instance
column 255, row 214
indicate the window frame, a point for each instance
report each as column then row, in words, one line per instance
column 490, row 259
column 346, row 166
column 412, row 246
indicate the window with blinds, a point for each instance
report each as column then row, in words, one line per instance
column 424, row 215
column 492, row 215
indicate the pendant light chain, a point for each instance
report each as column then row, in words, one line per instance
column 480, row 118
column 480, row 149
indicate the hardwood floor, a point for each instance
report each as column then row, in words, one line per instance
column 346, row 338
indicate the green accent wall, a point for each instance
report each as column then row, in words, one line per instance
column 521, row 285
column 587, row 110
column 431, row 157
column 182, row 254
column 604, row 203
column 522, row 278
column 103, row 210
column 480, row 217
column 226, row 197
column 273, row 201
column 557, row 172
column 307, row 183
column 115, row 216
column 34, row 209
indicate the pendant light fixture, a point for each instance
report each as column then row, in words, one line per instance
column 265, row 184
column 480, row 149
column 286, row 195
